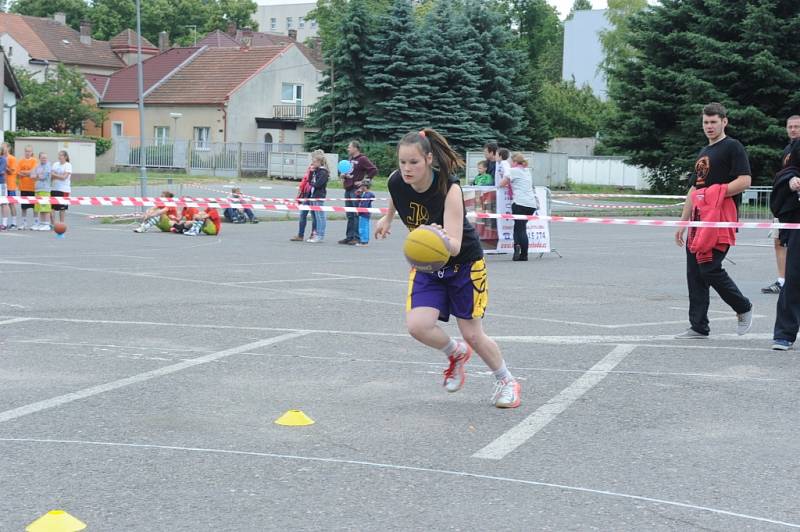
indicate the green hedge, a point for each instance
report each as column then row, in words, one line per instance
column 382, row 154
column 100, row 147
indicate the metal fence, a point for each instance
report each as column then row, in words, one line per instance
column 607, row 171
column 755, row 204
column 549, row 169
column 223, row 159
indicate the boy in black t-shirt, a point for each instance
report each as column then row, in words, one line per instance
column 722, row 161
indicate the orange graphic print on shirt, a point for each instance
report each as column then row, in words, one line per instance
column 701, row 169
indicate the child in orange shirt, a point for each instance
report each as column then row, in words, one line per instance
column 27, row 185
column 186, row 220
column 207, row 222
column 161, row 217
column 11, row 183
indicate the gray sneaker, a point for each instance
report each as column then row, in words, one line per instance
column 691, row 334
column 745, row 322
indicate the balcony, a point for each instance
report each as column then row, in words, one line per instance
column 293, row 112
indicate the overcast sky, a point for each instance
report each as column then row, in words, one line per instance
column 564, row 6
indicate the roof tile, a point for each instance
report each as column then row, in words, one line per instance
column 213, row 75
column 123, row 84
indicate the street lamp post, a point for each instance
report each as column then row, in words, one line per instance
column 140, row 76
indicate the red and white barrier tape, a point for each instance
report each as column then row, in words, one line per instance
column 223, row 203
column 616, row 207
column 614, row 196
column 279, row 200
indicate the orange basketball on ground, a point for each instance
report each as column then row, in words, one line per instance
column 60, row 228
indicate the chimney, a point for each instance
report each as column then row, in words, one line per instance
column 247, row 37
column 293, row 35
column 231, row 28
column 60, row 17
column 163, row 41
column 86, row 32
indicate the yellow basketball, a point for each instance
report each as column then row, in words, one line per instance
column 425, row 249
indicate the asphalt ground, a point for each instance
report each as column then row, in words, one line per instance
column 140, row 376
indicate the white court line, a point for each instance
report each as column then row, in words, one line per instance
column 378, row 465
column 15, row 320
column 307, row 279
column 142, row 377
column 400, row 281
column 544, row 340
column 602, row 339
column 546, row 413
column 551, row 320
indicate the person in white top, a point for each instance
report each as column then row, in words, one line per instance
column 525, row 202
column 502, row 169
column 61, row 175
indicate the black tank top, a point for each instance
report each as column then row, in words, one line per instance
column 426, row 208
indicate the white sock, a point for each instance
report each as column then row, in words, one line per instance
column 14, row 220
column 502, row 373
column 450, row 347
column 5, row 220
column 781, row 280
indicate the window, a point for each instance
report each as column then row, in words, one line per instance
column 10, row 51
column 273, row 24
column 161, row 134
column 201, row 135
column 301, row 22
column 291, row 92
column 313, row 24
column 288, row 23
column 116, row 129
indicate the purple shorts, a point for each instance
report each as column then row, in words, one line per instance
column 461, row 290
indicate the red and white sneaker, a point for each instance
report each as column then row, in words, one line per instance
column 454, row 375
column 506, row 394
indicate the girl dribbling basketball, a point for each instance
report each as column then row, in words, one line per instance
column 425, row 192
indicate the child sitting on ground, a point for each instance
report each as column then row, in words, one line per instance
column 185, row 221
column 161, row 217
column 483, row 179
column 207, row 222
column 239, row 215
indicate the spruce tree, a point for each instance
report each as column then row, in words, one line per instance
column 457, row 108
column 502, row 68
column 688, row 53
column 340, row 115
column 394, row 77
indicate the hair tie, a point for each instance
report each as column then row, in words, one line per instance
column 422, row 133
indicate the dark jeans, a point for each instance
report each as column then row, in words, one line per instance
column 301, row 230
column 520, row 228
column 352, row 217
column 700, row 278
column 787, row 315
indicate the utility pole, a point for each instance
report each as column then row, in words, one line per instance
column 140, row 76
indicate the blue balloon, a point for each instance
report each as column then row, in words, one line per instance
column 345, row 167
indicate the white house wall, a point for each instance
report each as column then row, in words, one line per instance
column 280, row 12
column 19, row 58
column 10, row 111
column 210, row 116
column 257, row 97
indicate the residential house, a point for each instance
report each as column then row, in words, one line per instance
column 282, row 16
column 35, row 44
column 10, row 93
column 214, row 93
